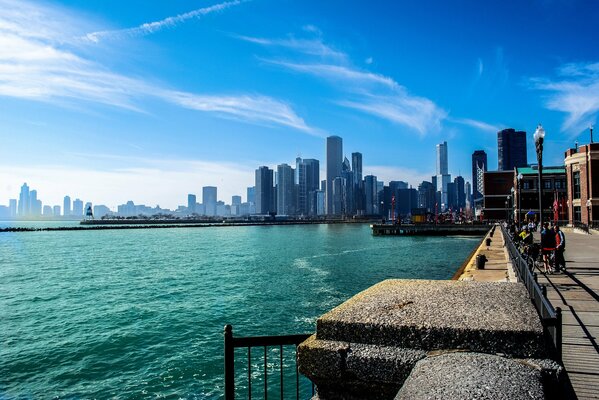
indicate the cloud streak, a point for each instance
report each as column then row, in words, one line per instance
column 573, row 91
column 480, row 125
column 36, row 63
column 169, row 22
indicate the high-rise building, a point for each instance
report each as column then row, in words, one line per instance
column 35, row 205
column 236, row 200
column 66, row 206
column 370, row 195
column 356, row 159
column 308, row 173
column 468, row 188
column 511, row 149
column 479, row 167
column 443, row 177
column 334, row 152
column 338, row 196
column 24, row 202
column 251, row 194
column 426, row 196
column 356, row 164
column 349, row 197
column 285, row 190
column 459, row 184
column 12, row 208
column 191, row 203
column 77, row 208
column 47, row 211
column 56, row 211
column 209, row 199
column 264, row 191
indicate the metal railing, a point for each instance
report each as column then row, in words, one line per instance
column 273, row 343
column 580, row 225
column 551, row 317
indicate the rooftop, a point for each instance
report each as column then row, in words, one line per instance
column 534, row 170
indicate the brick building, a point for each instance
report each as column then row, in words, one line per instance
column 527, row 193
column 582, row 165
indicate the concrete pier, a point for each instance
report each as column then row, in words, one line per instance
column 367, row 347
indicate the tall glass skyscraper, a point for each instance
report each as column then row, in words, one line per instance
column 209, row 196
column 24, row 202
column 479, row 167
column 285, row 190
column 308, row 173
column 443, row 177
column 264, row 191
column 511, row 149
column 334, row 152
column 66, row 206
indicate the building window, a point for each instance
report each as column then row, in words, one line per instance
column 576, row 184
column 560, row 184
column 527, row 185
column 546, row 183
column 577, row 214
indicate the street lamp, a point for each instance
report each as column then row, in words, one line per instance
column 589, row 212
column 539, row 137
column 519, row 196
column 507, row 210
column 512, row 205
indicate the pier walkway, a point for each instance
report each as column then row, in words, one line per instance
column 577, row 293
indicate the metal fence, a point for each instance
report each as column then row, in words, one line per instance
column 268, row 345
column 550, row 317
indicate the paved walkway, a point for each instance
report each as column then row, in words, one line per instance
column 498, row 268
column 577, row 293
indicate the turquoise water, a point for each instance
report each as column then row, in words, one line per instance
column 140, row 313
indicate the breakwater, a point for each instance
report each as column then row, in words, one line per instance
column 429, row 230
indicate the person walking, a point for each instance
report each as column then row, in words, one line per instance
column 560, row 247
column 547, row 246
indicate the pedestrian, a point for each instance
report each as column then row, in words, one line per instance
column 560, row 247
column 547, row 246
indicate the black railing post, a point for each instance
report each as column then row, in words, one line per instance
column 558, row 333
column 229, row 364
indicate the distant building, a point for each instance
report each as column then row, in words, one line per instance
column 66, row 206
column 334, row 150
column 251, row 194
column 209, row 199
column 554, row 192
column 236, row 200
column 77, row 208
column 12, row 208
column 582, row 170
column 511, row 149
column 468, row 195
column 479, row 167
column 443, row 177
column 285, row 190
column 24, row 201
column 356, row 159
column 101, row 210
column 371, row 195
column 35, row 205
column 426, row 196
column 460, row 199
column 264, row 191
column 191, row 204
column 308, row 174
column 338, row 197
column 47, row 211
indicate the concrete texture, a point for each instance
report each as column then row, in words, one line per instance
column 428, row 315
column 343, row 370
column 472, row 376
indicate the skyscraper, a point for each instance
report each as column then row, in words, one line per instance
column 308, row 173
column 370, row 195
column 66, row 206
column 334, row 152
column 349, row 200
column 56, row 211
column 285, row 190
column 460, row 189
column 251, row 194
column 24, row 201
column 209, row 196
column 511, row 149
column 356, row 160
column 35, row 205
column 12, row 207
column 426, row 196
column 356, row 164
column 479, row 167
column 264, row 190
column 77, row 208
column 236, row 200
column 443, row 177
column 191, row 203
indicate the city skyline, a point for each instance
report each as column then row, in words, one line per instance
column 141, row 108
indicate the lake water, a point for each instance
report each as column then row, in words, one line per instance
column 140, row 313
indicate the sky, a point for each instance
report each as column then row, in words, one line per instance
column 110, row 101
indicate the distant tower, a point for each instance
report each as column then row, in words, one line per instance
column 334, row 152
column 443, row 177
column 479, row 166
column 511, row 149
column 24, row 203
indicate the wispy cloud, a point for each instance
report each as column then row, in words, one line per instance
column 313, row 46
column 169, row 22
column 574, row 91
column 480, row 125
column 36, row 63
column 369, row 92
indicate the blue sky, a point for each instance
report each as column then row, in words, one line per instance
column 110, row 100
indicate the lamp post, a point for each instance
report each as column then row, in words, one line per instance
column 512, row 205
column 506, row 211
column 539, row 137
column 589, row 212
column 519, row 196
